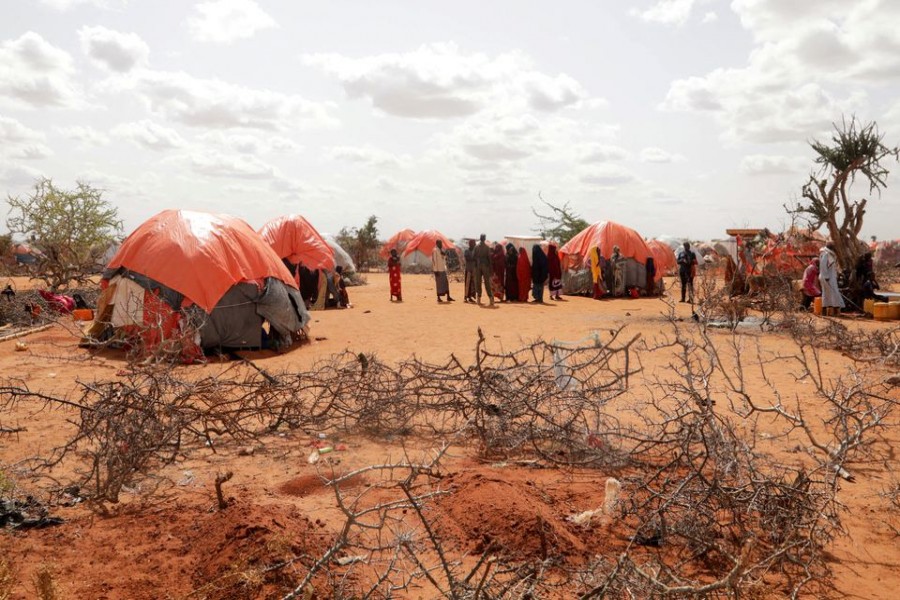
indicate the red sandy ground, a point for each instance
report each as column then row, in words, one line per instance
column 172, row 543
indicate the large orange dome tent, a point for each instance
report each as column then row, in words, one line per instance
column 294, row 239
column 398, row 241
column 418, row 250
column 574, row 254
column 183, row 271
column 664, row 257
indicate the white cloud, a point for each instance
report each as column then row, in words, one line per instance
column 34, row 73
column 658, row 155
column 15, row 175
column 768, row 164
column 85, row 136
column 709, row 17
column 19, row 141
column 116, row 51
column 147, row 134
column 215, row 104
column 14, row 132
column 800, row 75
column 224, row 21
column 215, row 164
column 63, row 5
column 438, row 81
column 30, row 152
column 367, row 155
column 666, row 12
column 246, row 143
column 601, row 153
column 606, row 175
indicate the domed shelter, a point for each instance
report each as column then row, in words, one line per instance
column 342, row 258
column 198, row 280
column 418, row 250
column 575, row 254
column 296, row 241
column 664, row 257
column 397, row 242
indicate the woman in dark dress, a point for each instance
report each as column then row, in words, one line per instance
column 555, row 273
column 540, row 270
column 523, row 271
column 512, row 277
column 498, row 271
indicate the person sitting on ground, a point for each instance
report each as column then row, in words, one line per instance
column 343, row 299
column 811, row 283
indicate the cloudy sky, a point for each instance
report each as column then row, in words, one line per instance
column 677, row 117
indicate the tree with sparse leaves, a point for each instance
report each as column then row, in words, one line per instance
column 561, row 224
column 360, row 242
column 67, row 228
column 856, row 150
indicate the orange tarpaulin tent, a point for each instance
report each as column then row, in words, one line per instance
column 294, row 238
column 424, row 242
column 663, row 256
column 399, row 241
column 200, row 255
column 605, row 234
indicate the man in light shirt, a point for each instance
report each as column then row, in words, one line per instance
column 439, row 266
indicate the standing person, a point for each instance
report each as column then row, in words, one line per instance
column 483, row 270
column 617, row 264
column 596, row 273
column 512, row 277
column 687, row 270
column 394, row 275
column 540, row 269
column 832, row 303
column 498, row 271
column 523, row 271
column 439, row 267
column 811, row 283
column 469, row 256
column 554, row 269
column 650, row 268
column 609, row 274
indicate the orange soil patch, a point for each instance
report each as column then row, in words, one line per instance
column 179, row 544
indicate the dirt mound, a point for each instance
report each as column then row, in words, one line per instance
column 522, row 519
column 305, row 485
column 174, row 548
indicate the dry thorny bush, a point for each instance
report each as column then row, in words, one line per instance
column 709, row 507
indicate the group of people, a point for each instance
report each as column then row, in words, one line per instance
column 495, row 273
column 821, row 278
column 320, row 288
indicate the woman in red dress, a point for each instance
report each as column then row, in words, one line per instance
column 394, row 275
column 524, row 272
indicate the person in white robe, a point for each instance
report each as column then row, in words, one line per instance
column 832, row 302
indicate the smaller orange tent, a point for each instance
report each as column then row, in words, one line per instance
column 605, row 234
column 200, row 255
column 663, row 256
column 399, row 241
column 424, row 242
column 294, row 238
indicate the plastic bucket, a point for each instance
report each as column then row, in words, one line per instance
column 83, row 314
column 817, row 305
column 882, row 311
column 894, row 310
column 869, row 306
